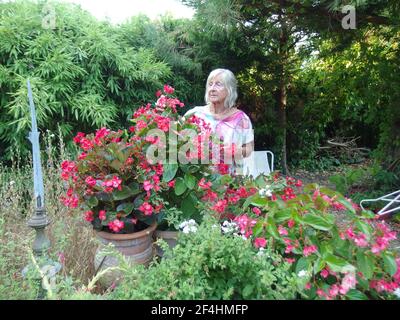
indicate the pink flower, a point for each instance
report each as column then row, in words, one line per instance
column 86, row 144
column 348, row 282
column 361, row 240
column 309, row 250
column 338, row 206
column 171, row 184
column 307, row 286
column 203, row 184
column 256, row 210
column 334, row 290
column 102, row 215
column 291, row 223
column 298, row 183
column 147, row 185
column 290, row 260
column 168, row 89
column 241, row 192
column 89, row 215
column 116, row 225
column 324, row 273
column 350, row 233
column 77, row 139
column 146, row 208
column 115, row 183
column 282, row 231
column 90, row 181
column 220, row 206
column 82, row 156
column 260, row 243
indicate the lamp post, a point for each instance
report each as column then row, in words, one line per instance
column 39, row 219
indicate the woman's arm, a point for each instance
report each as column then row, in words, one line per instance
column 247, row 149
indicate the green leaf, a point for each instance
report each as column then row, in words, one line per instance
column 260, row 181
column 134, row 186
column 365, row 264
column 338, row 264
column 170, row 170
column 248, row 201
column 272, row 229
column 257, row 229
column 190, row 180
column 364, row 227
column 318, row 222
column 283, row 215
column 92, row 202
column 259, row 201
column 248, row 290
column 188, row 206
column 354, row 294
column 329, row 192
column 226, row 179
column 347, row 204
column 180, row 186
column 319, row 264
column 122, row 194
column 389, row 262
column 126, row 207
column 302, row 264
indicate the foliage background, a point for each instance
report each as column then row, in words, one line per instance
column 302, row 78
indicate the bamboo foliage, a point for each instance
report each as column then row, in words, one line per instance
column 83, row 74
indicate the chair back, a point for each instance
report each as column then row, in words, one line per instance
column 263, row 162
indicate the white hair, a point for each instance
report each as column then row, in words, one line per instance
column 230, row 83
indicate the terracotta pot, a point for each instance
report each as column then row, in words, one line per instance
column 171, row 237
column 137, row 247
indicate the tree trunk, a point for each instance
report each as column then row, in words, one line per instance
column 283, row 39
column 282, row 111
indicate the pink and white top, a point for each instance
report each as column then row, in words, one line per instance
column 234, row 129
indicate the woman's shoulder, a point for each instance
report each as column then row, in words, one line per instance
column 244, row 120
column 196, row 110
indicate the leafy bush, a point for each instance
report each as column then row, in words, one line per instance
column 347, row 259
column 207, row 264
column 83, row 74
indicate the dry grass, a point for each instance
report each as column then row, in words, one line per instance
column 72, row 241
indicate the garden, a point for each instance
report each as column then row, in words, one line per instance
column 139, row 210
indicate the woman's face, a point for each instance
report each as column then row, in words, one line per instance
column 217, row 92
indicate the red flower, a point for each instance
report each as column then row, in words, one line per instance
column 168, row 89
column 116, row 225
column 102, row 215
column 146, row 208
column 90, row 181
column 260, row 243
column 89, row 216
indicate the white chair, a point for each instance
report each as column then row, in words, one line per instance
column 263, row 163
column 392, row 199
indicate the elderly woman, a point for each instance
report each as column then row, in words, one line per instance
column 230, row 124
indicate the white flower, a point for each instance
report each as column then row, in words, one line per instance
column 12, row 183
column 302, row 273
column 261, row 251
column 397, row 292
column 229, row 227
column 265, row 192
column 188, row 226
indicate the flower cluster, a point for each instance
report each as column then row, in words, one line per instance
column 334, row 260
column 122, row 180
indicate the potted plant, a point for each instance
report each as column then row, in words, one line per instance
column 181, row 146
column 125, row 182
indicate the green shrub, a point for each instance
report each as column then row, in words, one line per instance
column 207, row 264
